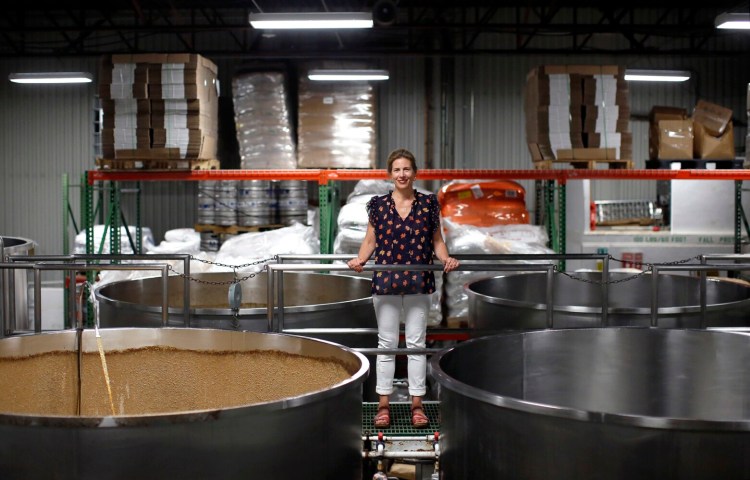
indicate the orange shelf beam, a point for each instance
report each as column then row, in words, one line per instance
column 323, row 176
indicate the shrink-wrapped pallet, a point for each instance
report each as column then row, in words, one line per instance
column 336, row 125
column 262, row 120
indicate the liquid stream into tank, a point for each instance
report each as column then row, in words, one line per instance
column 104, row 370
column 99, row 346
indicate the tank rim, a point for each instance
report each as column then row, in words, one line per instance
column 550, row 410
column 669, row 310
column 189, row 416
column 227, row 311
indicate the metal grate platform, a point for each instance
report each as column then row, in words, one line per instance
column 401, row 418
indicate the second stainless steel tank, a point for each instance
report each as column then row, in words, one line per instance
column 519, row 302
column 605, row 403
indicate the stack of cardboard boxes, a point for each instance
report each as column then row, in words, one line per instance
column 158, row 108
column 707, row 135
column 577, row 113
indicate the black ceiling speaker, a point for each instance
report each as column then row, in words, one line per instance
column 384, row 12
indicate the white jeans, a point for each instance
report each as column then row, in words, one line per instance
column 388, row 309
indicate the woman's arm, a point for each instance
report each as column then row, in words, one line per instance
column 441, row 251
column 365, row 250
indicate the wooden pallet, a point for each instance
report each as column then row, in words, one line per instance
column 157, row 164
column 697, row 164
column 233, row 229
column 587, row 164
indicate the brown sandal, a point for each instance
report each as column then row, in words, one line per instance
column 418, row 417
column 382, row 417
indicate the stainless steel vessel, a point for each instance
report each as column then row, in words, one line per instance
column 518, row 302
column 608, row 403
column 15, row 294
column 317, row 435
column 312, row 300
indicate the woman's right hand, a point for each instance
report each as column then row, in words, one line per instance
column 355, row 264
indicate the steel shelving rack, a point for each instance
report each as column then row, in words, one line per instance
column 550, row 181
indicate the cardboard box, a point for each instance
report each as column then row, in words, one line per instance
column 714, row 118
column 587, row 154
column 190, row 60
column 126, row 113
column 671, row 140
column 708, row 146
column 666, row 113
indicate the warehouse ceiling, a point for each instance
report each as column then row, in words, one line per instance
column 403, row 27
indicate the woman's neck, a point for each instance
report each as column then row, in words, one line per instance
column 404, row 194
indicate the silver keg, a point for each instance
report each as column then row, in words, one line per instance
column 254, row 200
column 293, row 201
column 210, row 242
column 206, row 202
column 225, row 209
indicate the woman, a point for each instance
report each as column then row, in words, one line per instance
column 403, row 229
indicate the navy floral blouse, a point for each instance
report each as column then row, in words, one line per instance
column 403, row 242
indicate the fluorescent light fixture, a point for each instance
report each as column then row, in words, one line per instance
column 347, row 75
column 657, row 75
column 51, row 77
column 311, row 20
column 733, row 21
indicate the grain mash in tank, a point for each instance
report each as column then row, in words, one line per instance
column 159, row 379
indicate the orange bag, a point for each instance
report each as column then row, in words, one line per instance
column 484, row 203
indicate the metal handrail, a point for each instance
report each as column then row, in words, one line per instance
column 118, row 257
column 604, row 258
column 40, row 266
column 272, row 268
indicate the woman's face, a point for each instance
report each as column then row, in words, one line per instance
column 402, row 173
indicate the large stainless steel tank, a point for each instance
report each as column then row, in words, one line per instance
column 15, row 300
column 609, row 403
column 316, row 435
column 518, row 302
column 312, row 300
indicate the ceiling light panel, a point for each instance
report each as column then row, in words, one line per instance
column 51, row 77
column 311, row 20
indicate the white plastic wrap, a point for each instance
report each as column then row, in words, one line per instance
column 181, row 240
column 264, row 130
column 295, row 239
column 495, row 240
column 239, row 250
column 146, row 236
column 336, row 125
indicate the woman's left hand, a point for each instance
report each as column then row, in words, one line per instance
column 450, row 264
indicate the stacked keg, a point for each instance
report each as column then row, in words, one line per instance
column 206, row 203
column 206, row 213
column 210, row 242
column 293, row 201
column 225, row 209
column 255, row 203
